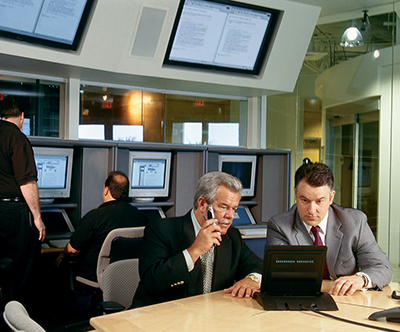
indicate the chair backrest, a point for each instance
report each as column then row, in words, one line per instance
column 108, row 248
column 17, row 318
column 120, row 281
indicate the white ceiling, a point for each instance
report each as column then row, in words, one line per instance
column 334, row 7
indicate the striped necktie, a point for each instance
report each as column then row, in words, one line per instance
column 318, row 242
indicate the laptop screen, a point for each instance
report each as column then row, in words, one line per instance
column 293, row 270
column 58, row 224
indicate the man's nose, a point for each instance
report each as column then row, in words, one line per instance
column 312, row 208
column 229, row 214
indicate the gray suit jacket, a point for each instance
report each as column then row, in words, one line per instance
column 351, row 244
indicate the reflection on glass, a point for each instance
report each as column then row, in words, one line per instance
column 223, row 134
column 127, row 133
column 91, row 131
column 187, row 132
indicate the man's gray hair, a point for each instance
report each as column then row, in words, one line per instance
column 208, row 184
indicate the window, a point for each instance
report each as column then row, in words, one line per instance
column 39, row 100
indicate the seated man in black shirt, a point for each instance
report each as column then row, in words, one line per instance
column 115, row 212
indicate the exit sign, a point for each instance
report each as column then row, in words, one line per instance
column 199, row 103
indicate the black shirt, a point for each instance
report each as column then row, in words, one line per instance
column 16, row 160
column 94, row 228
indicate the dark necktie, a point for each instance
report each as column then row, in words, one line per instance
column 318, row 242
column 207, row 267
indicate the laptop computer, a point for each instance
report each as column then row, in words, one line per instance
column 292, row 279
column 58, row 226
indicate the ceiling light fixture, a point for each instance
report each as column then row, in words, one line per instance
column 352, row 37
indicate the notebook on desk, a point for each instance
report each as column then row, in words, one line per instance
column 292, row 279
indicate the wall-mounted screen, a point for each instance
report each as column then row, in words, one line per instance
column 243, row 167
column 221, row 35
column 54, row 167
column 149, row 174
column 58, row 24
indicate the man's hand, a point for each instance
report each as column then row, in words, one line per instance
column 243, row 288
column 41, row 228
column 209, row 234
column 346, row 285
column 59, row 259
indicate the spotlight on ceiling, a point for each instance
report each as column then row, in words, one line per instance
column 352, row 36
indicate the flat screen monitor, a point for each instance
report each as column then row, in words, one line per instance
column 221, row 35
column 149, row 174
column 243, row 216
column 54, row 167
column 243, row 167
column 58, row 24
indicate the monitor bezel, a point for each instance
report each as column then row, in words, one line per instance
column 150, row 193
column 246, row 192
column 51, row 193
column 292, row 282
column 36, row 40
column 263, row 51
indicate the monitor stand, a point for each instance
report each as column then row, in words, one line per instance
column 143, row 199
column 322, row 302
column 46, row 200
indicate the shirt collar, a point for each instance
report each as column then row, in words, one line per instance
column 322, row 225
column 195, row 223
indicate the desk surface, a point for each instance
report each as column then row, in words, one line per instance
column 220, row 312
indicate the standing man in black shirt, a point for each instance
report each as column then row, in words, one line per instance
column 115, row 212
column 19, row 202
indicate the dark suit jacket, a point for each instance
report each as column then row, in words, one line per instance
column 163, row 271
column 351, row 244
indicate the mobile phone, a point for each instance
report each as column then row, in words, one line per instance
column 210, row 212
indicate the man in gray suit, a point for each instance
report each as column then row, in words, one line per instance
column 354, row 258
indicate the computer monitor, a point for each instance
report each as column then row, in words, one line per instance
column 57, row 24
column 149, row 174
column 243, row 167
column 222, row 35
column 54, row 167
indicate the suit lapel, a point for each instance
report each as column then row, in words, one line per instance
column 221, row 263
column 301, row 234
column 333, row 240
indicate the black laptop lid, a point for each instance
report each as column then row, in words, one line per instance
column 293, row 270
column 58, row 225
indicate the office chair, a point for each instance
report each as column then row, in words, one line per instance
column 17, row 318
column 120, row 243
column 120, row 281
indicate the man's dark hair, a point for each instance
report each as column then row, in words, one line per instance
column 10, row 108
column 315, row 174
column 119, row 188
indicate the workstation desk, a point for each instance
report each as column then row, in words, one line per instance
column 220, row 312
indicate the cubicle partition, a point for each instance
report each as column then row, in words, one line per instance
column 93, row 160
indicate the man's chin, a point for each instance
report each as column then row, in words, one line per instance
column 224, row 228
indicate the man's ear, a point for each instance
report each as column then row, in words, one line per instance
column 202, row 204
column 332, row 197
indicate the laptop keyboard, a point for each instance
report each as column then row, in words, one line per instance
column 60, row 243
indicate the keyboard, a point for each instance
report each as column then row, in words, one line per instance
column 253, row 232
column 60, row 243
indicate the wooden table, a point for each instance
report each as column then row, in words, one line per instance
column 220, row 312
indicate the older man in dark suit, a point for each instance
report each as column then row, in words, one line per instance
column 172, row 263
column 354, row 259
